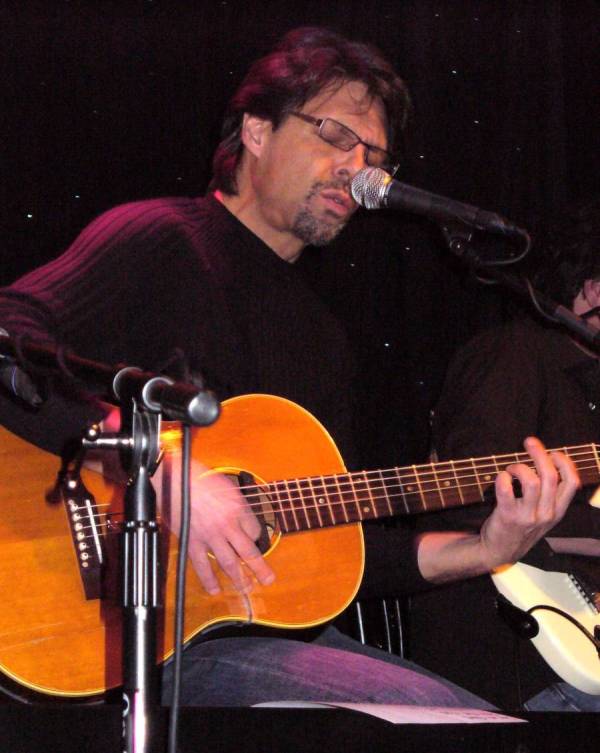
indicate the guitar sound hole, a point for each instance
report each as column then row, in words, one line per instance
column 258, row 497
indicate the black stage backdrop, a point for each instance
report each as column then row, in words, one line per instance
column 114, row 101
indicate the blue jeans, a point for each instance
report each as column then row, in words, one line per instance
column 248, row 670
column 563, row 697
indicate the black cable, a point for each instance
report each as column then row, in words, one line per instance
column 512, row 259
column 595, row 642
column 537, row 305
column 184, row 536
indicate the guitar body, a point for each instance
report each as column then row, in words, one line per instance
column 564, row 647
column 58, row 637
column 54, row 640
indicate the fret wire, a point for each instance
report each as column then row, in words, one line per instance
column 402, row 489
column 359, row 484
column 409, row 488
column 277, row 506
column 316, row 498
column 281, row 515
column 372, row 505
column 383, row 495
column 341, row 497
column 418, row 480
column 303, row 484
column 342, row 503
column 585, row 450
column 293, row 507
column 480, row 487
column 328, row 498
column 439, row 488
column 457, row 483
column 468, row 484
column 588, row 455
column 355, row 496
column 580, row 453
column 387, row 498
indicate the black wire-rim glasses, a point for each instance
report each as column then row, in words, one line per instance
column 342, row 137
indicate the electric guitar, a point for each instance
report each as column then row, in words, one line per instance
column 57, row 635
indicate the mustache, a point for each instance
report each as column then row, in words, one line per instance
column 341, row 184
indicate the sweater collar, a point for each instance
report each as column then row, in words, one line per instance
column 243, row 245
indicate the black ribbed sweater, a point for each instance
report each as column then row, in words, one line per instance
column 148, row 277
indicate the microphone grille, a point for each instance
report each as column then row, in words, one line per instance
column 368, row 187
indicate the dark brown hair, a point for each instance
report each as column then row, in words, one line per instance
column 568, row 251
column 306, row 61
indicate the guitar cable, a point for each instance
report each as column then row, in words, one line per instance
column 592, row 638
column 184, row 536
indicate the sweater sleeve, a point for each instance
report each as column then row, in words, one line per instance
column 99, row 298
column 492, row 395
column 489, row 404
column 391, row 567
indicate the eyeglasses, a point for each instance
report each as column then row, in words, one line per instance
column 340, row 136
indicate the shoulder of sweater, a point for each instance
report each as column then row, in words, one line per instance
column 167, row 210
column 163, row 224
column 524, row 332
column 150, row 215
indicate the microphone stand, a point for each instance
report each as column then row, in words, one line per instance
column 459, row 241
column 138, row 441
column 143, row 398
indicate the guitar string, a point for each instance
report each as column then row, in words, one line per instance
column 432, row 476
column 345, row 485
column 311, row 505
column 429, row 473
column 403, row 478
column 347, row 481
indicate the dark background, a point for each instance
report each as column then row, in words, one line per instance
column 107, row 102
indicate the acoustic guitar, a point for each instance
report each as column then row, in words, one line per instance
column 60, row 623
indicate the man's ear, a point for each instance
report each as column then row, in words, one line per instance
column 591, row 292
column 255, row 131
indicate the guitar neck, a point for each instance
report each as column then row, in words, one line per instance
column 322, row 501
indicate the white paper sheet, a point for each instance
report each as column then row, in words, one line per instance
column 398, row 714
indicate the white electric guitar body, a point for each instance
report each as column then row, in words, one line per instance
column 570, row 653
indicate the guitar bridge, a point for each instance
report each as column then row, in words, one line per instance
column 585, row 591
column 83, row 519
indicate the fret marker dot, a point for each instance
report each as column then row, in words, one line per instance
column 487, row 477
column 409, row 488
column 321, row 501
column 446, row 483
column 366, row 509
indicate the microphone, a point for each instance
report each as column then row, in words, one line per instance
column 16, row 380
column 373, row 188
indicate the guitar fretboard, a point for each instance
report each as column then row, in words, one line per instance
column 321, row 501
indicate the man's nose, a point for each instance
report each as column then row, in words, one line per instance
column 353, row 161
